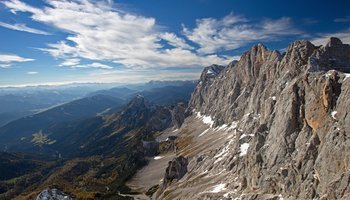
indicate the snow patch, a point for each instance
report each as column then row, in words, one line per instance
column 280, row 197
column 245, row 135
column 329, row 73
column 210, row 72
column 175, row 130
column 234, row 125
column 158, row 157
column 219, row 188
column 222, row 127
column 206, row 119
column 333, row 114
column 347, row 75
column 204, row 132
column 273, row 98
column 243, row 149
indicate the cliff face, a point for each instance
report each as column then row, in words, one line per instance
column 282, row 122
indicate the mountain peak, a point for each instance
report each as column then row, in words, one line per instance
column 259, row 47
column 334, row 55
column 304, row 47
column 265, row 122
column 211, row 71
column 333, row 41
column 137, row 101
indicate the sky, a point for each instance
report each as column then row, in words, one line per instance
column 133, row 41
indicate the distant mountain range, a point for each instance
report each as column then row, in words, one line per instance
column 20, row 102
column 33, row 132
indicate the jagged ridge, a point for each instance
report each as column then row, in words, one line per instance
column 287, row 123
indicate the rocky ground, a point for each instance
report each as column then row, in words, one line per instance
column 150, row 175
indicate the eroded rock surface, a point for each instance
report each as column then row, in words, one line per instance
column 176, row 169
column 285, row 125
column 53, row 194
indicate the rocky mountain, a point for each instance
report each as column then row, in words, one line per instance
column 116, row 92
column 15, row 106
column 32, row 132
column 18, row 102
column 92, row 154
column 170, row 95
column 55, row 194
column 269, row 126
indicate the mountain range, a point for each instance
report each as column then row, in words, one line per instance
column 269, row 126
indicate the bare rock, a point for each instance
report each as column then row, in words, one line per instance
column 176, row 169
column 178, row 114
column 286, row 124
column 53, row 194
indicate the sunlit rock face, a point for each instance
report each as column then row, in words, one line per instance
column 269, row 126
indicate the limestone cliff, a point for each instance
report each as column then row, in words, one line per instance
column 269, row 126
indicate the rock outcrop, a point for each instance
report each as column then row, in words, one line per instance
column 53, row 194
column 176, row 169
column 285, row 122
column 178, row 114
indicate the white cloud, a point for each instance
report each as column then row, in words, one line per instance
column 24, row 28
column 175, row 41
column 106, row 33
column 99, row 65
column 232, row 32
column 7, row 60
column 16, row 5
column 94, row 65
column 32, row 73
column 70, row 62
column 2, row 65
column 322, row 39
column 75, row 63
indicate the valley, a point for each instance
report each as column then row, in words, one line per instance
column 83, row 152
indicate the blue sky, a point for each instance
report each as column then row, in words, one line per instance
column 127, row 41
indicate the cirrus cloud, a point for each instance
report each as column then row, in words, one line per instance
column 7, row 60
column 70, row 62
column 232, row 32
column 24, row 28
column 93, row 65
column 105, row 33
